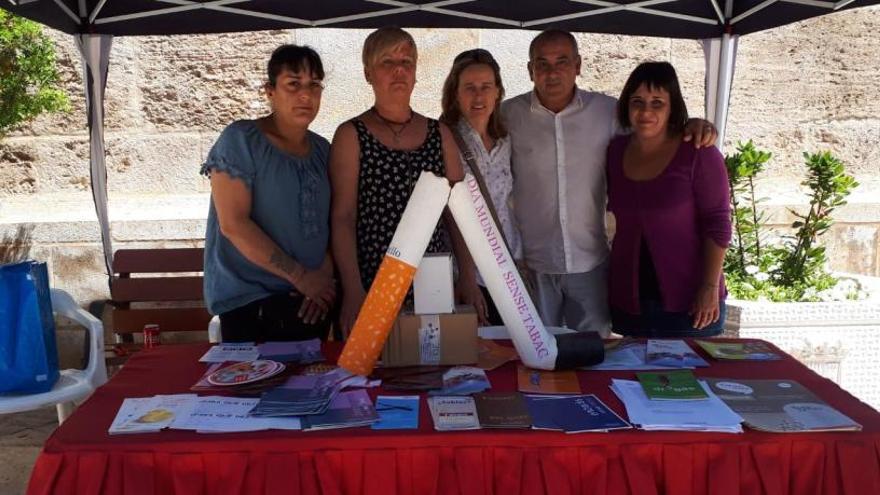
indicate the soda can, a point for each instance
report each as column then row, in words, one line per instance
column 151, row 335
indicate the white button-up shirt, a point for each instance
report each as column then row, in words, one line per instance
column 558, row 164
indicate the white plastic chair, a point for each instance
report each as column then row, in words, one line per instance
column 73, row 385
column 214, row 335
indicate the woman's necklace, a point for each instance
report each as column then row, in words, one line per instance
column 395, row 133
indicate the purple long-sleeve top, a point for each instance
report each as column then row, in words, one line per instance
column 674, row 212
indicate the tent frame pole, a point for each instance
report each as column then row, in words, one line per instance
column 725, row 84
column 720, row 55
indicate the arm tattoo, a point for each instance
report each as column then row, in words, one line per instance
column 283, row 262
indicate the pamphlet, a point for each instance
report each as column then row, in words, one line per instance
column 630, row 355
column 677, row 415
column 573, row 414
column 502, row 410
column 453, row 413
column 780, row 406
column 151, row 414
column 217, row 414
column 301, row 352
column 463, row 380
column 303, row 394
column 739, row 351
column 347, row 409
column 672, row 352
column 547, row 382
column 230, row 352
column 411, row 378
column 397, row 412
column 129, row 413
column 671, row 385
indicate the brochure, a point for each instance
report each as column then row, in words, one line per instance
column 303, row 394
column 547, row 382
column 126, row 420
column 463, row 380
column 573, row 414
column 301, row 352
column 673, row 353
column 453, row 413
column 671, row 385
column 216, row 414
column 491, row 355
column 629, row 355
column 346, row 410
column 230, row 352
column 780, row 406
column 151, row 414
column 677, row 415
column 397, row 412
column 411, row 378
column 502, row 410
column 739, row 351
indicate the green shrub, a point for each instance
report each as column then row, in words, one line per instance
column 793, row 268
column 28, row 77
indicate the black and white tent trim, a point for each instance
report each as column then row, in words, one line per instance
column 694, row 19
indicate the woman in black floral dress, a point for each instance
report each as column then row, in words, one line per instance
column 375, row 160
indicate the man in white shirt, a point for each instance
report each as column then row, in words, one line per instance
column 559, row 135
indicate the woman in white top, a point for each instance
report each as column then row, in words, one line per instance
column 472, row 97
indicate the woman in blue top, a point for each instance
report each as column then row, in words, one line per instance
column 268, row 273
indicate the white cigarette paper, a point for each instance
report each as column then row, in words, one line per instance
column 536, row 347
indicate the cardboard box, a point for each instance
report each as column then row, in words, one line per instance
column 433, row 291
column 444, row 339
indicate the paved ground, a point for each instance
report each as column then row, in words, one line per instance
column 21, row 437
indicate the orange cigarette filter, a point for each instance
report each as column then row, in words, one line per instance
column 377, row 316
column 395, row 274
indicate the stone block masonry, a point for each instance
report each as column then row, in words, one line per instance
column 169, row 97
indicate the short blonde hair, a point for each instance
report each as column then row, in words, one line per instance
column 384, row 40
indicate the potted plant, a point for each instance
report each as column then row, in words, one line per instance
column 781, row 289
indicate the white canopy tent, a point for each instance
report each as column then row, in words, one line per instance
column 95, row 22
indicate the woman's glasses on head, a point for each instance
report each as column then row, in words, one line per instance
column 476, row 55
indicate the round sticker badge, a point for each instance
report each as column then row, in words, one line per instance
column 245, row 372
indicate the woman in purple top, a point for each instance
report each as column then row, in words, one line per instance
column 670, row 201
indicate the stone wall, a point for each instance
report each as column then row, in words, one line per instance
column 806, row 86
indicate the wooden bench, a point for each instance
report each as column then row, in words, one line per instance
column 161, row 286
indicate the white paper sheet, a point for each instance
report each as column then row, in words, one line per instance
column 230, row 352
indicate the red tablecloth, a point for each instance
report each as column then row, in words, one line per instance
column 80, row 457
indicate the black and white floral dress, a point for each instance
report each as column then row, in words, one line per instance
column 385, row 182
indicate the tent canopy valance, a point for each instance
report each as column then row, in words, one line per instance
column 690, row 19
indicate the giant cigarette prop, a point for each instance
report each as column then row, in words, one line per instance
column 395, row 274
column 536, row 347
